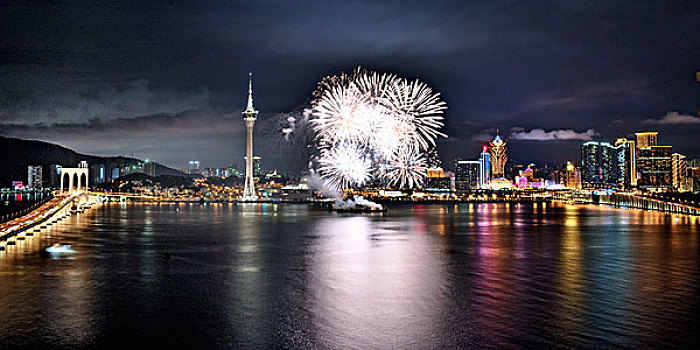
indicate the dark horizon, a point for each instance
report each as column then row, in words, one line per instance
column 167, row 81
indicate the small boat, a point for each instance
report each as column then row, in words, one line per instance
column 360, row 209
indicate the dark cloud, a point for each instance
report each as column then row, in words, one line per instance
column 135, row 75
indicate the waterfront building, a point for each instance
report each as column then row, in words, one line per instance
column 500, row 184
column 435, row 172
column 647, row 138
column 655, row 168
column 572, row 176
column 34, row 178
column 679, row 172
column 626, row 162
column 436, row 180
column 604, row 165
column 694, row 179
column 484, row 168
column 466, row 174
column 498, row 156
column 598, row 164
column 250, row 115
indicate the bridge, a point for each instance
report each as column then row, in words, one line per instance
column 55, row 210
column 629, row 201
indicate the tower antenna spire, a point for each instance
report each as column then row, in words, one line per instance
column 250, row 91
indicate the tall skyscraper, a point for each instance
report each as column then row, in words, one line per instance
column 591, row 162
column 604, row 165
column 599, row 166
column 679, row 172
column 654, row 168
column 484, row 168
column 626, row 162
column 572, row 176
column 34, row 177
column 498, row 156
column 250, row 115
column 466, row 174
column 647, row 139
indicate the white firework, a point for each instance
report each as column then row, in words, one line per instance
column 345, row 166
column 406, row 168
column 390, row 120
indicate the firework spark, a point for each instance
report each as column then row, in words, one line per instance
column 369, row 125
column 345, row 166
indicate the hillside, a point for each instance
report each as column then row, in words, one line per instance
column 17, row 154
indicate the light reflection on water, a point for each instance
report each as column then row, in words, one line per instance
column 422, row 276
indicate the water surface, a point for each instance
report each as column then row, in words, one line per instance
column 295, row 276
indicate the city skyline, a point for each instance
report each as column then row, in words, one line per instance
column 412, row 175
column 548, row 75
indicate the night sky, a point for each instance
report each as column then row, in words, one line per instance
column 167, row 80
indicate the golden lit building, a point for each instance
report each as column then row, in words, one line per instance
column 436, row 172
column 498, row 156
column 679, row 172
column 647, row 139
column 572, row 177
column 655, row 168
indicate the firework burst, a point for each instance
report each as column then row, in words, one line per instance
column 369, row 125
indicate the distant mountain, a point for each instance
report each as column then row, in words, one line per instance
column 17, row 154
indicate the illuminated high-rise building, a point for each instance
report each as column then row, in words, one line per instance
column 484, row 168
column 466, row 174
column 572, row 176
column 606, row 166
column 34, row 173
column 655, row 168
column 436, row 179
column 498, row 156
column 598, row 164
column 626, row 162
column 647, row 138
column 679, row 172
column 250, row 115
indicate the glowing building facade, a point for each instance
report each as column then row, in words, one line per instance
column 34, row 173
column 655, row 168
column 626, row 162
column 484, row 168
column 679, row 173
column 466, row 174
column 498, row 156
column 250, row 115
column 604, row 165
column 572, row 177
column 647, row 138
